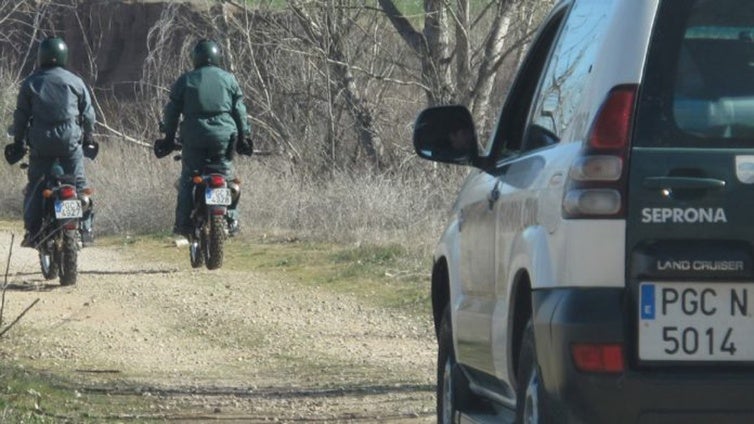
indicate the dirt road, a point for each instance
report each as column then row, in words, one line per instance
column 218, row 345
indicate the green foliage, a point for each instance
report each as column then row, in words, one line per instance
column 373, row 255
column 384, row 276
column 35, row 398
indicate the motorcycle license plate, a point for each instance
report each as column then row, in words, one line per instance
column 217, row 196
column 66, row 209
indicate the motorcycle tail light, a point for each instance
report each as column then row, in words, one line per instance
column 67, row 192
column 88, row 191
column 216, row 181
column 47, row 193
column 237, row 181
column 197, row 179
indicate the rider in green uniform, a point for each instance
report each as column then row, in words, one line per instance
column 54, row 115
column 214, row 125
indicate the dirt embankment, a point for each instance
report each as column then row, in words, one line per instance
column 115, row 33
column 224, row 344
column 108, row 40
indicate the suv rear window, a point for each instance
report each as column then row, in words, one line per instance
column 698, row 86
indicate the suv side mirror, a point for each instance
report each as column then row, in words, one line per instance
column 446, row 134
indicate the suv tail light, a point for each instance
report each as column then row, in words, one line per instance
column 603, row 358
column 596, row 181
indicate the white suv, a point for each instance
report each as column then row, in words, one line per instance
column 599, row 263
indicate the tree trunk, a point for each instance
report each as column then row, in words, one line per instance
column 436, row 66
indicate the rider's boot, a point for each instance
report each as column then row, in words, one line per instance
column 27, row 240
column 182, row 230
column 87, row 231
column 233, row 227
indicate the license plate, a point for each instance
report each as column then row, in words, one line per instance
column 217, row 196
column 66, row 209
column 696, row 322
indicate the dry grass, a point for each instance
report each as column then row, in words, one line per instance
column 348, row 207
column 135, row 194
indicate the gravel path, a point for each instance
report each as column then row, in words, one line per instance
column 221, row 344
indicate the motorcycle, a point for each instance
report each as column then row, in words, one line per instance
column 66, row 219
column 212, row 195
column 60, row 236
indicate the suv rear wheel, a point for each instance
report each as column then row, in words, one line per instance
column 530, row 406
column 453, row 393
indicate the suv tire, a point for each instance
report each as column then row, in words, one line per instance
column 453, row 393
column 530, row 403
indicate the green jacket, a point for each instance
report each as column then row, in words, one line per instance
column 57, row 104
column 211, row 102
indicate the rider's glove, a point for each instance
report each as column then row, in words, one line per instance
column 90, row 146
column 164, row 146
column 14, row 152
column 244, row 146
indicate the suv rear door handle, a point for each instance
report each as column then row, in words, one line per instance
column 680, row 183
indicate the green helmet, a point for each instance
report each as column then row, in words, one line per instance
column 206, row 52
column 53, row 52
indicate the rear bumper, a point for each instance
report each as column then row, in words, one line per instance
column 638, row 395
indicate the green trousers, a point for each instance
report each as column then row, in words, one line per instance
column 193, row 160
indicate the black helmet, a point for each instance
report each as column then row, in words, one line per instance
column 206, row 52
column 53, row 52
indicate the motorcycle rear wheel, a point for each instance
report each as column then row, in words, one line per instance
column 215, row 243
column 69, row 271
column 48, row 262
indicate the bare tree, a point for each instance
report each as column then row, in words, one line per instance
column 342, row 69
column 477, row 40
column 19, row 27
column 328, row 27
column 329, row 83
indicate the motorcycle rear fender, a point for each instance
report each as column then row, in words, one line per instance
column 217, row 210
column 69, row 224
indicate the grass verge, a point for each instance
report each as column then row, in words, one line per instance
column 35, row 398
column 387, row 276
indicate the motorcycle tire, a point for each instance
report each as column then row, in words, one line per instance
column 48, row 262
column 215, row 242
column 196, row 252
column 69, row 258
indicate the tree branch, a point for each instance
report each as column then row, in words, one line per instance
column 5, row 283
column 125, row 137
column 410, row 35
column 6, row 329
